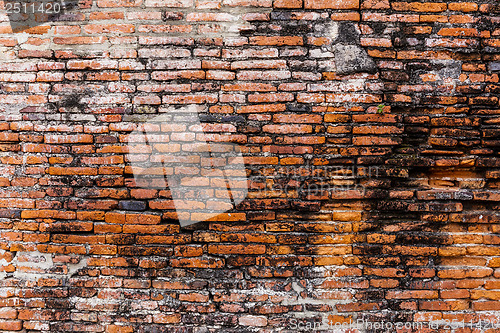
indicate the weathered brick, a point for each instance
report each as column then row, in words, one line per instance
column 334, row 4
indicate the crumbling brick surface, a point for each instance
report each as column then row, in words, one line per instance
column 369, row 130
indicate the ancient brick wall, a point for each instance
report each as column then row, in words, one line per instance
column 369, row 130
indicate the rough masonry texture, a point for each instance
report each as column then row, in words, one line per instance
column 370, row 135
